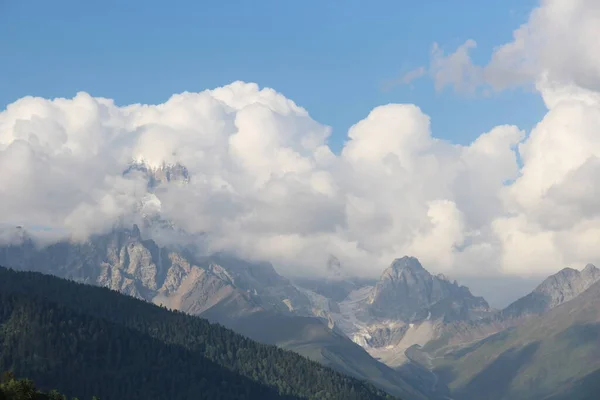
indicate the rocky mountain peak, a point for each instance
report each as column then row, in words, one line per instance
column 406, row 291
column 334, row 266
column 135, row 232
column 568, row 283
column 555, row 290
column 407, row 262
column 163, row 174
column 445, row 278
column 123, row 260
column 404, row 268
column 564, row 274
column 590, row 270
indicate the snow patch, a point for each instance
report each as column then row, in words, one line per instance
column 288, row 303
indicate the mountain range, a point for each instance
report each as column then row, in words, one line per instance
column 551, row 355
column 406, row 306
column 251, row 298
column 410, row 333
column 95, row 341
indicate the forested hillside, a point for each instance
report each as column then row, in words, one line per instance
column 12, row 388
column 87, row 341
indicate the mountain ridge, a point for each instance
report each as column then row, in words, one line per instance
column 545, row 356
column 406, row 307
column 220, row 287
column 415, row 292
column 558, row 288
column 81, row 318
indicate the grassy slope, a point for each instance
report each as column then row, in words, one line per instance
column 543, row 357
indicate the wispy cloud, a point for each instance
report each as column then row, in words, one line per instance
column 405, row 79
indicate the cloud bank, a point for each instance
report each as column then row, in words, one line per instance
column 264, row 183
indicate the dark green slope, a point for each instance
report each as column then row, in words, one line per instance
column 81, row 354
column 313, row 339
column 25, row 389
column 91, row 339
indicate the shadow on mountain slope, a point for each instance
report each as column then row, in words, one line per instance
column 582, row 334
column 311, row 338
column 581, row 389
column 494, row 381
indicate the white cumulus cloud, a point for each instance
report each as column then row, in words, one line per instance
column 557, row 44
column 264, row 183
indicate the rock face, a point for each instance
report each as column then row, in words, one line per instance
column 407, row 292
column 122, row 260
column 251, row 298
column 166, row 173
column 406, row 306
column 554, row 291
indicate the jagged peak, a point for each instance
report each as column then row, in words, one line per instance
column 567, row 276
column 160, row 173
column 403, row 265
column 407, row 262
column 564, row 274
column 122, row 233
column 334, row 266
column 591, row 268
column 408, row 292
column 135, row 232
column 567, row 271
column 141, row 162
column 566, row 284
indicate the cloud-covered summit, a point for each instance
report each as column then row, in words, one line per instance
column 262, row 181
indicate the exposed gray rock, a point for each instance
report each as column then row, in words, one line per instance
column 406, row 306
column 175, row 173
column 334, row 289
column 122, row 260
column 251, row 298
column 555, row 290
column 407, row 292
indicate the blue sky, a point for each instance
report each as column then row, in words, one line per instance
column 331, row 57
